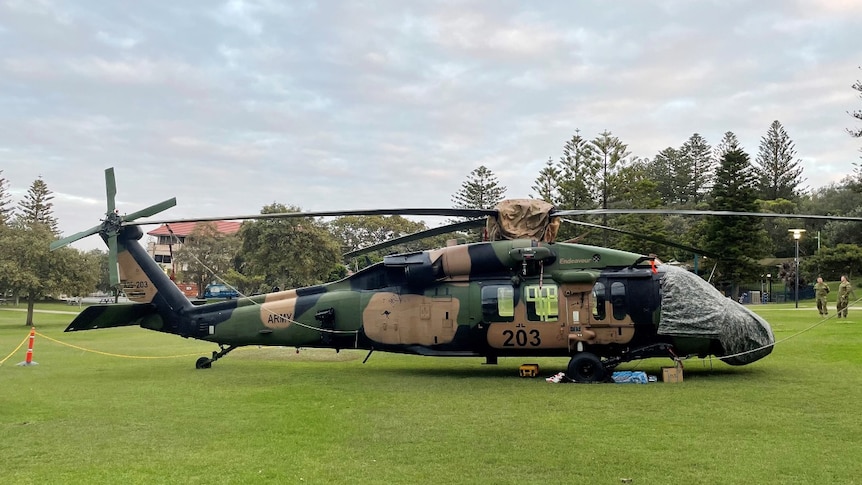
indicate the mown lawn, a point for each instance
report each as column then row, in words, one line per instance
column 274, row 415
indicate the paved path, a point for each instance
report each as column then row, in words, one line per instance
column 62, row 312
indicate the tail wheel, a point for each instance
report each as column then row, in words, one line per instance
column 585, row 367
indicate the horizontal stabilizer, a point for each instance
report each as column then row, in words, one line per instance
column 107, row 316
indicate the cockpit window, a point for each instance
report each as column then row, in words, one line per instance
column 618, row 299
column 599, row 301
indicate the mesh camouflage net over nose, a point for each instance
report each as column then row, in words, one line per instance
column 691, row 307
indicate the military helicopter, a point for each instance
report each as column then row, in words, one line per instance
column 517, row 294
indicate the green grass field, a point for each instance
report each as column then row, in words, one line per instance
column 272, row 415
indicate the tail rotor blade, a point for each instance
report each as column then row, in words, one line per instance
column 111, row 189
column 113, row 272
column 151, row 210
column 74, row 237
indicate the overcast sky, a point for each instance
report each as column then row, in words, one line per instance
column 377, row 104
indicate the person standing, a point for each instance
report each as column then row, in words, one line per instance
column 821, row 289
column 844, row 290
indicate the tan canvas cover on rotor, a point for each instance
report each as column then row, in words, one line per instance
column 523, row 219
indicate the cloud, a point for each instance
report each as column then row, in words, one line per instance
column 324, row 105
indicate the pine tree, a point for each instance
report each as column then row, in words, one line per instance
column 545, row 185
column 36, row 207
column 5, row 199
column 481, row 190
column 696, row 154
column 857, row 133
column 727, row 144
column 578, row 169
column 661, row 171
column 740, row 240
column 779, row 174
column 610, row 153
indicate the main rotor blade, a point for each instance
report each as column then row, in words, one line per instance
column 151, row 210
column 113, row 272
column 417, row 236
column 59, row 243
column 701, row 213
column 450, row 212
column 648, row 238
column 111, row 189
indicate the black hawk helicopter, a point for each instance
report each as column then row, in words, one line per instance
column 517, row 294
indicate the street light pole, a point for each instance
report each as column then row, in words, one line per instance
column 797, row 234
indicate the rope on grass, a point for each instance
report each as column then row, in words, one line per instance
column 109, row 354
column 16, row 349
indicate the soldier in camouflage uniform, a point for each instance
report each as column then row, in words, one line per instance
column 844, row 290
column 821, row 289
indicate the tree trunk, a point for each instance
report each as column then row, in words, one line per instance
column 31, row 303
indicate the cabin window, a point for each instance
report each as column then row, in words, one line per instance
column 498, row 303
column 543, row 303
column 599, row 301
column 618, row 299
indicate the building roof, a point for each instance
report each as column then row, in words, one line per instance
column 183, row 229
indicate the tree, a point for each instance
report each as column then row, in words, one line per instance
column 739, row 240
column 697, row 157
column 831, row 263
column 36, row 207
column 662, row 170
column 857, row 132
column 578, row 167
column 840, row 199
column 780, row 175
column 727, row 144
column 633, row 188
column 481, row 190
column 5, row 199
column 546, row 184
column 610, row 152
column 356, row 232
column 31, row 270
column 205, row 253
column 288, row 253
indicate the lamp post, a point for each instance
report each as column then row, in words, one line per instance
column 797, row 234
column 769, row 282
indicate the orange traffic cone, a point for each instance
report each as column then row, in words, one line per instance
column 29, row 359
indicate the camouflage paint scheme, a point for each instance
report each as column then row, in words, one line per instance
column 501, row 298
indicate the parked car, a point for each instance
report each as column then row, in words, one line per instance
column 220, row 291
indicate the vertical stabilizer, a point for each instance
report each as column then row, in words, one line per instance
column 142, row 280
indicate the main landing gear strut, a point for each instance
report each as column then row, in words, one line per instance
column 207, row 362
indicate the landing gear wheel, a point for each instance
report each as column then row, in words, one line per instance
column 207, row 362
column 585, row 367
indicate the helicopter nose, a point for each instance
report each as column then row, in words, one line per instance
column 691, row 307
column 746, row 338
